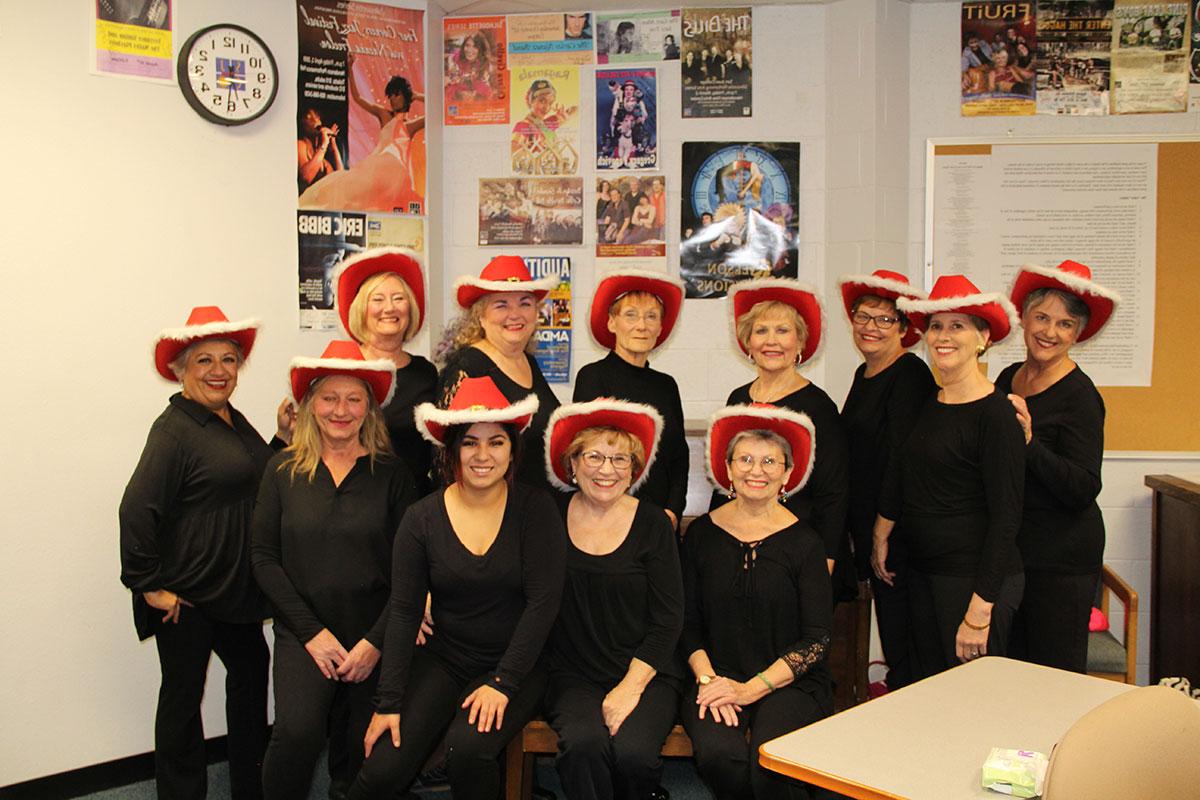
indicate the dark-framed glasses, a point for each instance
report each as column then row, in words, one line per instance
column 882, row 321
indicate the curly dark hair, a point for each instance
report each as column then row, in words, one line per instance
column 400, row 86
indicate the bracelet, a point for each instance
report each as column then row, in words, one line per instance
column 977, row 627
column 763, row 678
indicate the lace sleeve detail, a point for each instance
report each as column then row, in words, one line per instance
column 450, row 382
column 806, row 656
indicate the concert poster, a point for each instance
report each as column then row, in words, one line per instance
column 716, row 65
column 626, row 118
column 624, row 37
column 544, row 112
column 552, row 341
column 132, row 39
column 475, row 73
column 530, row 211
column 1151, row 49
column 536, row 39
column 997, row 69
column 1074, row 47
column 631, row 216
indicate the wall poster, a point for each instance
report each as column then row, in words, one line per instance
column 475, row 70
column 545, row 120
column 626, row 118
column 631, row 216
column 535, row 39
column 998, row 74
column 530, row 211
column 637, row 36
column 716, row 68
column 132, row 39
column 1150, row 51
column 1074, row 48
column 553, row 343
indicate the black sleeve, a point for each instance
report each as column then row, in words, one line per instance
column 692, row 638
column 815, row 595
column 266, row 556
column 406, row 608
column 665, row 607
column 680, row 460
column 1002, row 467
column 909, row 393
column 891, row 493
column 829, row 485
column 276, row 444
column 1072, row 468
column 458, row 368
column 589, row 384
column 146, row 504
column 402, row 494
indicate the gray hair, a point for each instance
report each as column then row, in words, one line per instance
column 760, row 435
column 178, row 364
column 1072, row 302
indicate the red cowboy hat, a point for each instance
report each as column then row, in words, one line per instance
column 354, row 272
column 567, row 421
column 881, row 283
column 1073, row 278
column 956, row 293
column 745, row 295
column 342, row 357
column 793, row 426
column 476, row 400
column 205, row 322
column 502, row 274
column 615, row 285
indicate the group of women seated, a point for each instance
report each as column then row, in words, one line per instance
column 447, row 555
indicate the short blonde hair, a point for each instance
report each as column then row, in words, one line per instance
column 609, row 435
column 767, row 307
column 304, row 453
column 358, row 308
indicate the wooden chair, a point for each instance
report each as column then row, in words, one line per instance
column 849, row 655
column 1107, row 657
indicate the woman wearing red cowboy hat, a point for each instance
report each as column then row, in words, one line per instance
column 757, row 603
column 1062, row 531
column 185, row 554
column 614, row 677
column 327, row 511
column 957, row 486
column 889, row 389
column 492, row 338
column 489, row 553
column 633, row 312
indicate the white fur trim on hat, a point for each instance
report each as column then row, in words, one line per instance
column 902, row 289
column 544, row 284
column 591, row 407
column 428, row 412
column 209, row 329
column 772, row 412
column 346, row 365
column 781, row 283
column 941, row 304
column 1072, row 281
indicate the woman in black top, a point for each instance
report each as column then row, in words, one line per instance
column 1062, row 531
column 957, row 484
column 185, row 554
column 614, row 687
column 888, row 391
column 493, row 338
column 381, row 304
column 490, row 553
column 327, row 510
column 633, row 312
column 757, row 609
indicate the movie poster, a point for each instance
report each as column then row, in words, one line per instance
column 475, row 88
column 326, row 238
column 361, row 119
column 626, row 118
column 132, row 39
column 740, row 214
column 1150, row 51
column 715, row 70
column 552, row 348
column 637, row 36
column 631, row 216
column 1074, row 45
column 536, row 39
column 545, row 120
column 999, row 42
column 1194, row 62
column 530, row 211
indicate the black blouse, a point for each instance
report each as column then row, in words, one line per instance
column 416, row 383
column 1062, row 529
column 185, row 515
column 613, row 376
column 491, row 613
column 322, row 553
column 620, row 606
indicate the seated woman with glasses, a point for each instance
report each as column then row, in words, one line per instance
column 757, row 604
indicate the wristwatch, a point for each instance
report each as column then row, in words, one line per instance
column 705, row 680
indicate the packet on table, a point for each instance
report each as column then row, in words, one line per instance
column 1018, row 773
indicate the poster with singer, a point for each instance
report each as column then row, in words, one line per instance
column 545, row 120
column 626, row 118
column 716, row 66
column 997, row 71
column 475, row 69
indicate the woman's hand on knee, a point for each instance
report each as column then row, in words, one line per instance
column 379, row 724
column 486, row 707
column 617, row 706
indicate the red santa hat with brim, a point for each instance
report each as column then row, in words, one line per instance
column 205, row 322
column 354, row 272
column 743, row 296
column 615, row 285
column 637, row 419
column 502, row 274
column 881, row 283
column 1073, row 278
column 343, row 357
column 475, row 400
column 797, row 428
column 956, row 294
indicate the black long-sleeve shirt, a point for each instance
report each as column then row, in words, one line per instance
column 622, row 605
column 323, row 553
column 1062, row 529
column 748, row 604
column 822, row 503
column 185, row 515
column 492, row 613
column 958, row 484
column 613, row 376
column 416, row 383
column 471, row 362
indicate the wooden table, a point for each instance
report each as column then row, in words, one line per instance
column 930, row 739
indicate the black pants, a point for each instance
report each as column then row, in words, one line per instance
column 729, row 764
column 592, row 764
column 304, row 700
column 892, row 615
column 1051, row 625
column 431, row 708
column 938, row 604
column 184, row 650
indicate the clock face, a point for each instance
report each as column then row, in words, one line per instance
column 227, row 74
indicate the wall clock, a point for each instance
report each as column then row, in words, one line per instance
column 227, row 74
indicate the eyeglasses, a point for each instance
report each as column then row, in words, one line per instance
column 595, row 460
column 631, row 317
column 883, row 321
column 768, row 463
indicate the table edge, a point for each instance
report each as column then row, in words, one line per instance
column 825, row 780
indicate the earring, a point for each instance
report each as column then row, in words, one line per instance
column 979, row 351
column 732, row 493
column 797, row 359
column 573, row 481
column 782, row 494
column 751, row 357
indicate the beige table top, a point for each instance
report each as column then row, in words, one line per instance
column 929, row 740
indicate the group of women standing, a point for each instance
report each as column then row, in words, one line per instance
column 447, row 555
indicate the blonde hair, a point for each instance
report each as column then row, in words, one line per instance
column 609, row 435
column 358, row 308
column 746, row 324
column 466, row 329
column 304, row 453
column 640, row 294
